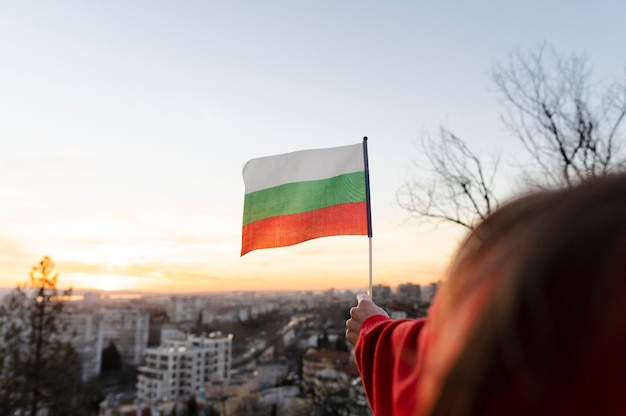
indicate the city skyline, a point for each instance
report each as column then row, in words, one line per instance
column 125, row 128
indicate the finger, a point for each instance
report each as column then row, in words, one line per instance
column 362, row 296
column 352, row 331
column 349, row 337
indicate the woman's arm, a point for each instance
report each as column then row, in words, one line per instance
column 386, row 353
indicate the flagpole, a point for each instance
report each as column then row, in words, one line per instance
column 368, row 204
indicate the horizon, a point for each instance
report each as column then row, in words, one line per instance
column 81, row 291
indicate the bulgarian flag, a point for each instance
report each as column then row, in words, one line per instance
column 299, row 196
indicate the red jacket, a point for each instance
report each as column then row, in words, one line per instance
column 387, row 358
column 404, row 363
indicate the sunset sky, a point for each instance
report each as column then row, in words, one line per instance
column 124, row 127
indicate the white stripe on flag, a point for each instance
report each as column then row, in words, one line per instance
column 304, row 165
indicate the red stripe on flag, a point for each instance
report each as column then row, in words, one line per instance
column 287, row 230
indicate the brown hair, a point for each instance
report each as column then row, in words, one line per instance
column 559, row 257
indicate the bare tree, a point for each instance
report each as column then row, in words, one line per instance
column 570, row 127
column 458, row 188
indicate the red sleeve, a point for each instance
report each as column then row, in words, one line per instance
column 386, row 354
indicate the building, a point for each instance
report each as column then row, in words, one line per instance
column 185, row 309
column 85, row 331
column 171, row 332
column 328, row 375
column 329, row 381
column 398, row 315
column 181, row 368
column 315, row 360
column 429, row 292
column 381, row 294
column 271, row 373
column 409, row 292
column 127, row 328
column 284, row 399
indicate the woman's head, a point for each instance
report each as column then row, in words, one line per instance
column 554, row 265
column 480, row 253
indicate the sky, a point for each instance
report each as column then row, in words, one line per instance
column 124, row 126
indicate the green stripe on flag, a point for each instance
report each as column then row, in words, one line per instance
column 298, row 197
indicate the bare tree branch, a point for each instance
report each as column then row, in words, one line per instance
column 570, row 127
column 458, row 189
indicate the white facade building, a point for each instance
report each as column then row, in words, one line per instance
column 186, row 308
column 85, row 331
column 171, row 332
column 179, row 369
column 128, row 329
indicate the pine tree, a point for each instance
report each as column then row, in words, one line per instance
column 37, row 369
column 111, row 359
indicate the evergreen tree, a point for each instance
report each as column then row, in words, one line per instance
column 111, row 359
column 37, row 369
column 192, row 406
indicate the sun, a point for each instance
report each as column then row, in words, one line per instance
column 103, row 282
column 110, row 282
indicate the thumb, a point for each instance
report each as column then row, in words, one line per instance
column 362, row 296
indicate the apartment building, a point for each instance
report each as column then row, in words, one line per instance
column 85, row 331
column 408, row 292
column 181, row 368
column 128, row 329
column 185, row 308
